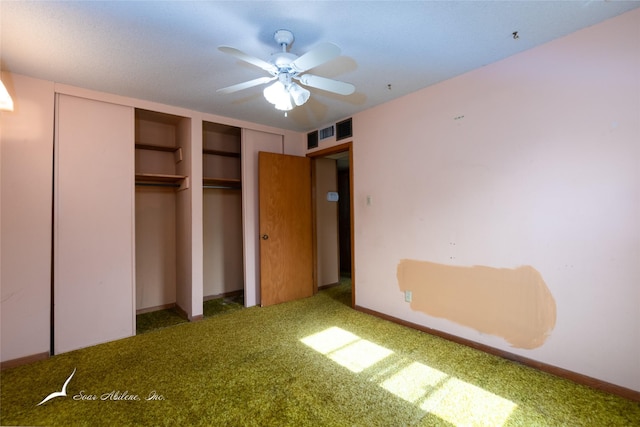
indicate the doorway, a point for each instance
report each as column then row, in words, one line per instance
column 339, row 160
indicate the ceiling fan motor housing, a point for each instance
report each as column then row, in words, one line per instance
column 282, row 60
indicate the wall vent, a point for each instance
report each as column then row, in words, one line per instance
column 344, row 129
column 326, row 132
column 312, row 140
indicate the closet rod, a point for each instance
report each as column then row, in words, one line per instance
column 157, row 184
column 222, row 187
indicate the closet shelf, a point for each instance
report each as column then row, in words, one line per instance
column 221, row 153
column 156, row 147
column 157, row 177
column 177, row 151
column 221, row 182
column 181, row 182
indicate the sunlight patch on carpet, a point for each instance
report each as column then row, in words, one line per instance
column 329, row 340
column 464, row 404
column 433, row 391
column 347, row 349
column 414, row 381
column 360, row 355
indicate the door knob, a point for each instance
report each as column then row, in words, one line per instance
column 265, row 236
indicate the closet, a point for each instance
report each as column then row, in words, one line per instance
column 162, row 211
column 223, row 273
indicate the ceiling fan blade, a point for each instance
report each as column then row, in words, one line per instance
column 246, row 85
column 246, row 58
column 316, row 56
column 329, row 85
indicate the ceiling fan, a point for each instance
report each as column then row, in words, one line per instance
column 285, row 67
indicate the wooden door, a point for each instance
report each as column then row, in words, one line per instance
column 286, row 262
column 93, row 291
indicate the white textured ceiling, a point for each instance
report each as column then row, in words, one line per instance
column 167, row 51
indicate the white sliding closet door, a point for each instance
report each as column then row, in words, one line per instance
column 93, row 290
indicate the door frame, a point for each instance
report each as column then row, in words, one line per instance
column 336, row 149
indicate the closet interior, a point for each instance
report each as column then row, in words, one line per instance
column 162, row 173
column 223, row 274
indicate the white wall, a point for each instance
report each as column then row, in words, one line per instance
column 534, row 160
column 155, row 213
column 26, row 147
column 223, row 267
column 189, row 293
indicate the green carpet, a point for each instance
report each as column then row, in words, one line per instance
column 169, row 317
column 313, row 362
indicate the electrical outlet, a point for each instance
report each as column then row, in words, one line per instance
column 407, row 296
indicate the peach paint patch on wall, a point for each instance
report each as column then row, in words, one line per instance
column 514, row 304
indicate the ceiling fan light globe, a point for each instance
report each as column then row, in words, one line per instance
column 278, row 95
column 275, row 93
column 284, row 104
column 299, row 94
